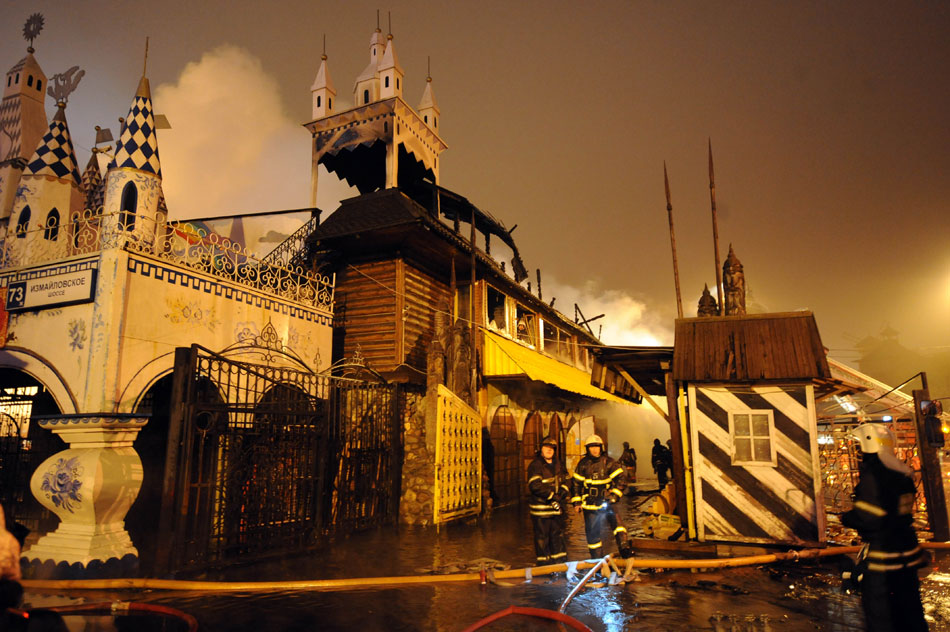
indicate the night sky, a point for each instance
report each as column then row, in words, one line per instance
column 829, row 121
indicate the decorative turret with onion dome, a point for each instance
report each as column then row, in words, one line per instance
column 707, row 304
column 22, row 117
column 322, row 89
column 733, row 281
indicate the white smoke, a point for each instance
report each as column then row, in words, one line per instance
column 232, row 148
column 627, row 320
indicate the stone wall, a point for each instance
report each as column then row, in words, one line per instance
column 418, row 468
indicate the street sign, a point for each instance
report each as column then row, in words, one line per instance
column 58, row 289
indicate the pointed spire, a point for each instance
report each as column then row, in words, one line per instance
column 428, row 107
column 137, row 147
column 91, row 184
column 54, row 156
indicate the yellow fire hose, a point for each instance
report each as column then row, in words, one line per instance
column 369, row 582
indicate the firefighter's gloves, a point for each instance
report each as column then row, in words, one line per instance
column 556, row 505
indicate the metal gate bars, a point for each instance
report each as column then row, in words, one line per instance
column 264, row 459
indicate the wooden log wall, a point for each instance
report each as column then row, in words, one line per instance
column 423, row 295
column 367, row 311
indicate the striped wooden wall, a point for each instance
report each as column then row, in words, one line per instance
column 756, row 503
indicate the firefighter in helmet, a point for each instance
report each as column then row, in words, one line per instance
column 883, row 516
column 598, row 483
column 548, row 485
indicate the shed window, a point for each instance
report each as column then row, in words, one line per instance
column 51, row 230
column 23, row 224
column 751, row 432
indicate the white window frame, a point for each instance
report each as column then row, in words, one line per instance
column 732, row 436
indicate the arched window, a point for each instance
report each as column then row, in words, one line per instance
column 127, row 211
column 17, row 78
column 425, row 119
column 318, row 100
column 51, row 229
column 397, row 83
column 9, row 81
column 23, row 224
column 29, row 81
column 365, row 96
column 387, row 81
column 39, row 85
column 329, row 103
column 435, row 121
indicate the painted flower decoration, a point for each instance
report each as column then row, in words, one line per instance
column 61, row 483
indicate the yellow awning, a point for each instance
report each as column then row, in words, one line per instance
column 506, row 358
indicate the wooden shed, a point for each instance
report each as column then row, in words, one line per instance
column 753, row 441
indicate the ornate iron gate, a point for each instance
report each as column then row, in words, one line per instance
column 264, row 459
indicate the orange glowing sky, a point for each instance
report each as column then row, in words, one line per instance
column 829, row 124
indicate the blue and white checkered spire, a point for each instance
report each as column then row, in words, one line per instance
column 54, row 156
column 138, row 143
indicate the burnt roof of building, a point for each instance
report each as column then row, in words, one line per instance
column 781, row 346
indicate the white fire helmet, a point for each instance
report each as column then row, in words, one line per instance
column 593, row 440
column 879, row 439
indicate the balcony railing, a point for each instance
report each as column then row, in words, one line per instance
column 179, row 243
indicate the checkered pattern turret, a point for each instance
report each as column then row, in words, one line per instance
column 91, row 186
column 138, row 144
column 54, row 156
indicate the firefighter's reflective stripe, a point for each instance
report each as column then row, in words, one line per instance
column 595, row 546
column 616, row 473
column 592, row 507
column 557, row 556
column 620, row 530
column 535, row 478
column 886, row 555
column 547, row 480
column 579, row 477
column 881, row 567
column 874, row 510
column 576, row 499
column 614, row 490
column 543, row 558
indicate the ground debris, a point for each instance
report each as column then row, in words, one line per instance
column 472, row 566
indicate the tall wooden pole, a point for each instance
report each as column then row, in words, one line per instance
column 471, row 291
column 715, row 223
column 676, row 269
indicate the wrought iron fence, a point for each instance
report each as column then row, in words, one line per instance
column 179, row 242
column 289, row 252
column 272, row 460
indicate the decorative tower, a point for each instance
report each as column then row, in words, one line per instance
column 733, row 280
column 322, row 89
column 49, row 193
column 22, row 118
column 134, row 180
column 707, row 304
column 381, row 142
column 390, row 72
column 428, row 108
column 366, row 88
column 92, row 186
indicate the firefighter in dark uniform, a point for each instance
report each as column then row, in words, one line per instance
column 598, row 483
column 883, row 516
column 548, row 484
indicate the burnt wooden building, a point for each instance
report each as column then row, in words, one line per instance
column 422, row 298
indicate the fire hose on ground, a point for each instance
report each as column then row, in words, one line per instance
column 369, row 582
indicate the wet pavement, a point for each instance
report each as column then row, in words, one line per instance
column 788, row 597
